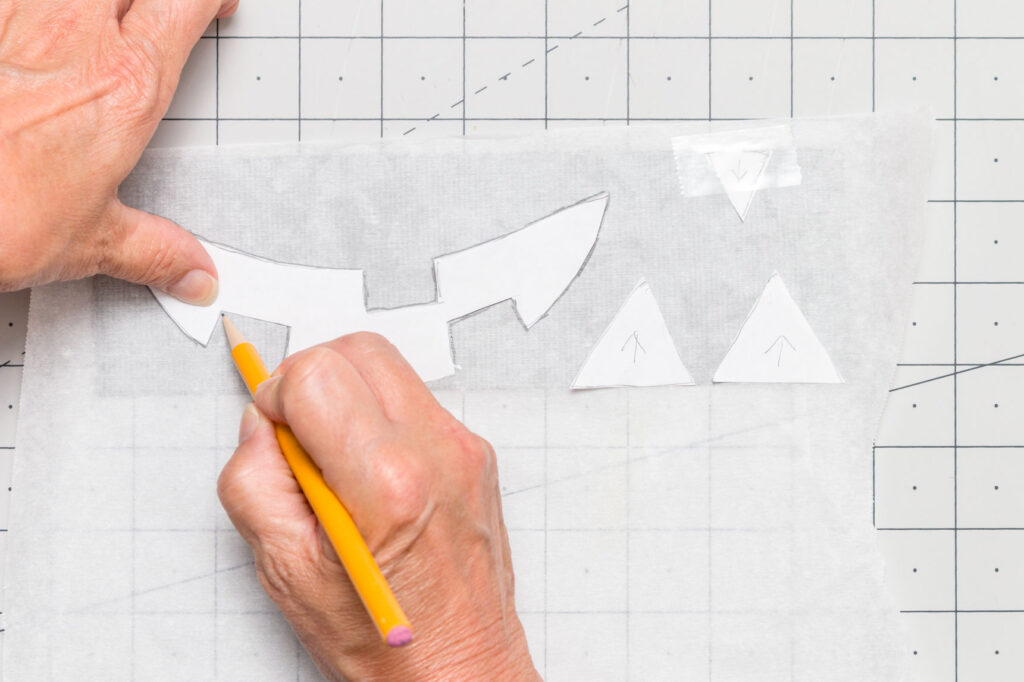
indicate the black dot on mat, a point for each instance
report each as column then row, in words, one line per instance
column 995, row 241
column 913, row 78
column 750, row 78
column 997, row 569
column 10, row 324
column 669, row 78
column 423, row 78
column 915, row 653
column 996, row 488
column 832, row 78
column 257, row 77
column 914, row 405
column 997, row 652
column 340, row 78
column 995, row 78
column 995, row 324
column 996, row 405
column 915, row 570
column 586, row 78
column 915, row 488
column 995, row 160
column 914, row 324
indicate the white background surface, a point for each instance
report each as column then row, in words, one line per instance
column 948, row 456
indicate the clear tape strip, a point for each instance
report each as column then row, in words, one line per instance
column 736, row 160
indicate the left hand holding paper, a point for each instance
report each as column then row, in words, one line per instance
column 83, row 85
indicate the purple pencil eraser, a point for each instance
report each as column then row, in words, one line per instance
column 400, row 635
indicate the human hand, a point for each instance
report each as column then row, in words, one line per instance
column 423, row 491
column 83, row 85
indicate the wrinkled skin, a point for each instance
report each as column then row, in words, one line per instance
column 422, row 489
column 83, row 85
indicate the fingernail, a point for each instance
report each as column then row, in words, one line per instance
column 197, row 287
column 250, row 420
column 267, row 387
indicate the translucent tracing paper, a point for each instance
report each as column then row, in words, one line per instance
column 714, row 531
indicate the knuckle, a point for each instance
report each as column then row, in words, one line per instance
column 303, row 382
column 478, row 456
column 473, row 454
column 403, row 488
column 136, row 75
column 226, row 483
column 282, row 574
column 162, row 260
column 363, row 343
column 155, row 264
column 134, row 64
column 231, row 484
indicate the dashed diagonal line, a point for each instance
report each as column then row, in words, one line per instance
column 506, row 76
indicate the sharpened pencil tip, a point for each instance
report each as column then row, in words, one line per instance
column 235, row 337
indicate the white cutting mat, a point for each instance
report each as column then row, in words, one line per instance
column 949, row 470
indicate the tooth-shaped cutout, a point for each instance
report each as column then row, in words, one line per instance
column 636, row 349
column 777, row 345
column 533, row 267
column 740, row 173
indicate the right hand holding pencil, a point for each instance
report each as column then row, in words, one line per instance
column 423, row 491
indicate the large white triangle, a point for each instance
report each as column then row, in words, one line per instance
column 635, row 350
column 740, row 173
column 777, row 345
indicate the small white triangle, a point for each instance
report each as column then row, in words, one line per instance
column 740, row 173
column 777, row 345
column 635, row 350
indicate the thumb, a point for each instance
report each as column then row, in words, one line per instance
column 154, row 251
column 258, row 491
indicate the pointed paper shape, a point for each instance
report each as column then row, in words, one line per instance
column 777, row 345
column 533, row 267
column 740, row 173
column 635, row 350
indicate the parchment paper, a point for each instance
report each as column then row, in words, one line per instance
column 695, row 532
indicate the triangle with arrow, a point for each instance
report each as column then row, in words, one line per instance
column 635, row 350
column 740, row 173
column 777, row 345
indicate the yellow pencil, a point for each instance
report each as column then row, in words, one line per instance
column 362, row 569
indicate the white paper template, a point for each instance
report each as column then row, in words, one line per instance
column 740, row 173
column 533, row 267
column 635, row 350
column 777, row 345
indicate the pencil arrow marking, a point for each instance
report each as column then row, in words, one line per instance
column 740, row 173
column 638, row 347
column 780, row 341
column 620, row 358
